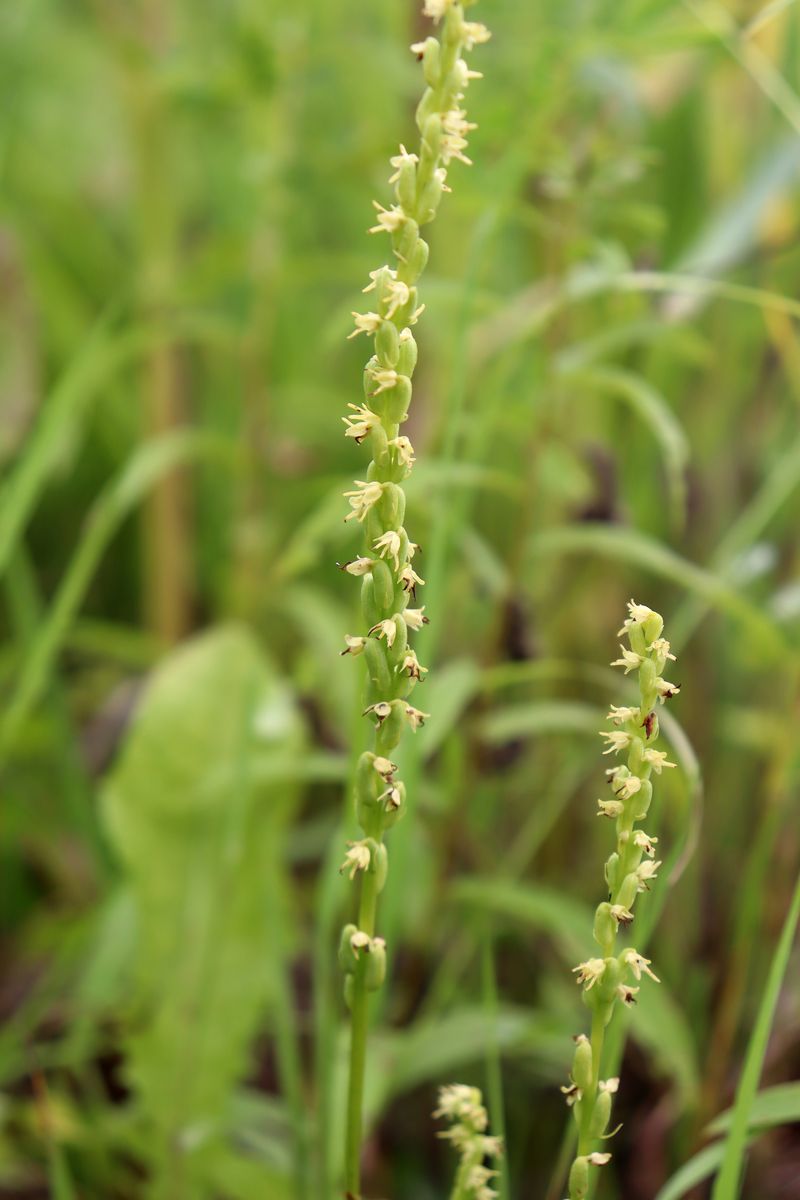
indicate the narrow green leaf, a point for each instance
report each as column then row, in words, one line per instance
column 728, row 1184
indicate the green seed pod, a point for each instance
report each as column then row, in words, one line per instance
column 348, row 960
column 348, row 990
column 647, row 684
column 417, row 261
column 628, row 891
column 653, row 627
column 635, row 755
column 397, row 400
column 605, row 927
column 392, row 506
column 579, row 1179
column 369, row 603
column 425, row 110
column 406, row 186
column 601, row 1114
column 379, row 444
column 431, row 147
column 387, row 342
column 582, row 1064
column 369, row 383
column 643, row 799
column 408, row 348
column 383, row 587
column 392, row 728
column 430, row 199
column 404, row 242
column 367, row 777
column 379, row 864
column 430, row 62
column 611, row 871
column 396, row 653
column 609, row 982
column 375, row 959
column 378, row 671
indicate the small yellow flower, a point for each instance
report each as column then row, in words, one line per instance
column 385, row 629
column 359, row 426
column 617, row 740
column 389, row 219
column 405, row 451
column 399, row 161
column 415, row 618
column 621, row 715
column 590, row 971
column 630, row 660
column 388, row 544
column 412, row 666
column 475, row 34
column 645, row 842
column 365, row 497
column 356, row 859
column 638, row 964
column 410, row 579
column 369, row 323
column 355, row 645
column 385, row 768
column 657, row 759
column 415, row 717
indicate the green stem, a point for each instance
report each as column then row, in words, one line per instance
column 359, row 1025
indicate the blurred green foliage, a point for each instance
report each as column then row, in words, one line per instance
column 607, row 405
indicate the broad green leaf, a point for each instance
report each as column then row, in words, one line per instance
column 200, row 842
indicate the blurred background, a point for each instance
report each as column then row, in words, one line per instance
column 606, row 406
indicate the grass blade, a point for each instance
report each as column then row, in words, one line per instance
column 728, row 1181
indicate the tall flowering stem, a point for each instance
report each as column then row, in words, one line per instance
column 463, row 1107
column 613, row 977
column 389, row 580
